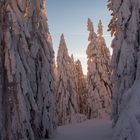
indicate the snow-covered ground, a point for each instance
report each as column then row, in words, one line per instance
column 88, row 130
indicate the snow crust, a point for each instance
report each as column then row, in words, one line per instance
column 88, row 130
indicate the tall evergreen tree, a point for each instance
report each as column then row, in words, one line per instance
column 66, row 90
column 27, row 110
column 105, row 60
column 81, row 88
column 102, row 45
column 73, row 71
column 98, row 77
column 125, row 27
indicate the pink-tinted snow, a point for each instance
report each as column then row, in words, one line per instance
column 88, row 130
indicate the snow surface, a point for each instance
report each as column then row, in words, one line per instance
column 88, row 130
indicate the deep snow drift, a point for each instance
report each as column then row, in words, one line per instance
column 88, row 130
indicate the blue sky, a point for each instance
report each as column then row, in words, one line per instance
column 70, row 17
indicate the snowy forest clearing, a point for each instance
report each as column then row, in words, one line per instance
column 88, row 130
column 37, row 94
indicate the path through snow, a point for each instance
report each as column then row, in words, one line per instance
column 89, row 130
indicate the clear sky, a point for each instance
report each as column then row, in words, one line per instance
column 70, row 17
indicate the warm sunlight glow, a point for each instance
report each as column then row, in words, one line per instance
column 26, row 11
column 44, row 8
column 91, row 60
column 63, row 76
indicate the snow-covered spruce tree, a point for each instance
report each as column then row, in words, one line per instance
column 105, row 68
column 81, row 88
column 98, row 77
column 125, row 49
column 125, row 26
column 103, row 48
column 27, row 110
column 73, row 71
column 66, row 89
